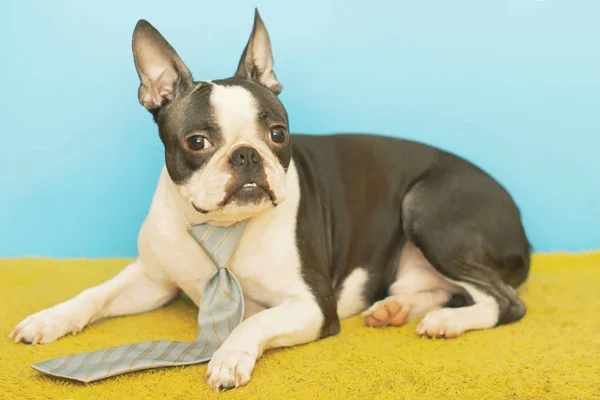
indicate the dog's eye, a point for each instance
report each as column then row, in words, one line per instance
column 278, row 134
column 198, row 142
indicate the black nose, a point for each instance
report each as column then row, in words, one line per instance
column 247, row 158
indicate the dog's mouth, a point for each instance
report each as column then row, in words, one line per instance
column 249, row 185
column 249, row 192
column 244, row 194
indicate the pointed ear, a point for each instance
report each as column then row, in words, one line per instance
column 163, row 76
column 257, row 60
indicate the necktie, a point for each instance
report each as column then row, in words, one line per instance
column 221, row 309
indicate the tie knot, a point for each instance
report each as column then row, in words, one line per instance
column 218, row 242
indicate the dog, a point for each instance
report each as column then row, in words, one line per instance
column 337, row 225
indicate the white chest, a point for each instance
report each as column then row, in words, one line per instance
column 266, row 261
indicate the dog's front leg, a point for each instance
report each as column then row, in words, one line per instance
column 131, row 291
column 293, row 322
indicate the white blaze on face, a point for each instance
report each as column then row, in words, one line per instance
column 236, row 113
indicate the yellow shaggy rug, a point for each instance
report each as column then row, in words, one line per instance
column 553, row 353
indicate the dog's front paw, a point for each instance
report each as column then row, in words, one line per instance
column 229, row 369
column 45, row 327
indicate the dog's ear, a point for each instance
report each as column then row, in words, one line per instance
column 163, row 76
column 257, row 60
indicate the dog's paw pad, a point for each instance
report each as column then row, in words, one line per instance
column 440, row 324
column 386, row 312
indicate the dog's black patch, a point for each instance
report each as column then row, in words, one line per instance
column 360, row 213
column 190, row 113
column 460, row 298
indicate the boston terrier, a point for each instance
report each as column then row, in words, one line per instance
column 337, row 225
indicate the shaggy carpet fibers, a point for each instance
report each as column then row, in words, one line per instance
column 553, row 353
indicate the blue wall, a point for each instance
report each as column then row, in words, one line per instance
column 512, row 85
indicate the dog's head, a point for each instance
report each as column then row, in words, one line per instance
column 227, row 145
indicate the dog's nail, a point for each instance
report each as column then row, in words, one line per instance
column 37, row 339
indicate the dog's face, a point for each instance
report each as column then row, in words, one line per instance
column 227, row 146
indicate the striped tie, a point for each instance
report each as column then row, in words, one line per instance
column 221, row 309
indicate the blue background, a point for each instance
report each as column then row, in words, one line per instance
column 513, row 85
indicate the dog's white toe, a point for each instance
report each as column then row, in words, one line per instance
column 43, row 327
column 440, row 323
column 229, row 369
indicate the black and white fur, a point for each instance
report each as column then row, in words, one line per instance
column 337, row 225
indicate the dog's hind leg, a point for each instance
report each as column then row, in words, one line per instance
column 418, row 289
column 473, row 236
column 131, row 291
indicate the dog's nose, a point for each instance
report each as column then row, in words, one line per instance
column 246, row 157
